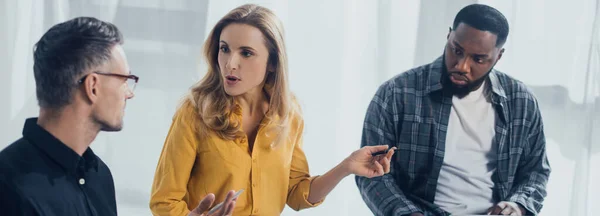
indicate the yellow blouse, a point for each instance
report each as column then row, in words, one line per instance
column 190, row 167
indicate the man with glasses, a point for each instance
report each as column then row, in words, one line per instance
column 82, row 85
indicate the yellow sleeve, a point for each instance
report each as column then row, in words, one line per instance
column 174, row 165
column 300, row 180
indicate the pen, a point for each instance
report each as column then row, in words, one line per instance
column 383, row 152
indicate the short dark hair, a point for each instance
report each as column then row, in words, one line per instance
column 484, row 18
column 65, row 52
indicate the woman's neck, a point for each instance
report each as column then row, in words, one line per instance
column 253, row 102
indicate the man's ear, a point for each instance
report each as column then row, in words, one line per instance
column 500, row 54
column 91, row 87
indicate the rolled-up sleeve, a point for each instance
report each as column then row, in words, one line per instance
column 300, row 179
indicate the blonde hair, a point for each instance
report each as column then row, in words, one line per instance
column 215, row 106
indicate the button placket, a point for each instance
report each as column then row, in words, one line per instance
column 255, row 181
column 81, row 172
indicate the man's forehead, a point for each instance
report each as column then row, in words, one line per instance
column 118, row 61
column 474, row 40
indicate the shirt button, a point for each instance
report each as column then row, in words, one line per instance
column 254, row 160
column 255, row 211
column 81, row 181
column 253, row 184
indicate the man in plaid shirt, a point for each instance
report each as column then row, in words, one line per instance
column 470, row 138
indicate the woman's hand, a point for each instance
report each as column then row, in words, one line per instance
column 204, row 206
column 362, row 163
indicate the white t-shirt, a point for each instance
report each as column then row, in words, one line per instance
column 465, row 183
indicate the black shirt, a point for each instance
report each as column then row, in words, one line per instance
column 39, row 175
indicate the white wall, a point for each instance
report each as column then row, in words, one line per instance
column 340, row 51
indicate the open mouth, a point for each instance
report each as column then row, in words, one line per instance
column 232, row 78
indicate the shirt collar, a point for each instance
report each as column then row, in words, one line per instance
column 57, row 150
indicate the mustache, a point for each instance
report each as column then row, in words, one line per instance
column 461, row 75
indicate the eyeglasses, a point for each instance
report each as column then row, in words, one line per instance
column 132, row 80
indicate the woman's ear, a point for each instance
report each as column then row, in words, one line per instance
column 271, row 68
column 271, row 64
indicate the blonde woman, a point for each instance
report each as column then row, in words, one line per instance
column 241, row 128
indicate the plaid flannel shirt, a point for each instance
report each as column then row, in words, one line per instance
column 411, row 112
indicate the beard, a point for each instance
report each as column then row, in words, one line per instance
column 461, row 90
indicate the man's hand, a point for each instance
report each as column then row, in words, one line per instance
column 507, row 208
column 225, row 210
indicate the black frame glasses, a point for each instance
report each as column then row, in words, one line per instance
column 134, row 78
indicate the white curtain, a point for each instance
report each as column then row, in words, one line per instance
column 340, row 51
